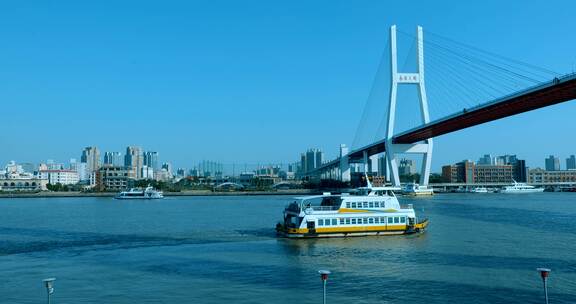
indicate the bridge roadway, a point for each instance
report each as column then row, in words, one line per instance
column 550, row 93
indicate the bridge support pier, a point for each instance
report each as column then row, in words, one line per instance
column 417, row 79
column 344, row 164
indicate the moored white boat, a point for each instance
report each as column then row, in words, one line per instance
column 479, row 190
column 520, row 188
column 417, row 190
column 137, row 193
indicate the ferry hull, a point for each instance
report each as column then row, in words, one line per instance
column 305, row 233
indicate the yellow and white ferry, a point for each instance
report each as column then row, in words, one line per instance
column 369, row 211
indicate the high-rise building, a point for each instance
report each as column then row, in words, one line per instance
column 91, row 156
column 135, row 160
column 167, row 167
column 407, row 167
column 520, row 171
column 151, row 159
column 552, row 163
column 147, row 172
column 113, row 158
column 311, row 160
column 571, row 163
column 487, row 159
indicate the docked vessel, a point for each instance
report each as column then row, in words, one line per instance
column 520, row 188
column 369, row 211
column 479, row 190
column 416, row 190
column 137, row 193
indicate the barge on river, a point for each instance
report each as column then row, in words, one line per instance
column 369, row 211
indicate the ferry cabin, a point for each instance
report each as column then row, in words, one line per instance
column 373, row 211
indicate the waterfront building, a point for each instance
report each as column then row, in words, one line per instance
column 571, row 163
column 162, row 175
column 470, row 173
column 61, row 176
column 24, row 182
column 15, row 178
column 151, row 159
column 52, row 165
column 114, row 178
column 113, row 158
column 407, row 167
column 91, row 156
column 552, row 163
column 541, row 176
column 134, row 159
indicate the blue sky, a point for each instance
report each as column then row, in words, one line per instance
column 248, row 81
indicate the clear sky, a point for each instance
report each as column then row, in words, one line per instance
column 249, row 81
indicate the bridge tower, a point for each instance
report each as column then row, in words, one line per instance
column 417, row 79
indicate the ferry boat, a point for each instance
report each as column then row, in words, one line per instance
column 520, row 188
column 369, row 211
column 137, row 193
column 417, row 190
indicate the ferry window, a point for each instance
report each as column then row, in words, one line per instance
column 320, row 222
column 371, row 221
column 353, row 205
column 335, row 222
column 390, row 220
column 347, row 221
column 402, row 220
column 341, row 221
column 365, row 221
column 396, row 220
column 371, row 205
column 376, row 204
column 347, row 205
column 353, row 221
column 365, row 204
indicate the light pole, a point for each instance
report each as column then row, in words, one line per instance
column 49, row 284
column 324, row 276
column 544, row 272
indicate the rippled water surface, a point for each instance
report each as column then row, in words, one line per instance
column 480, row 248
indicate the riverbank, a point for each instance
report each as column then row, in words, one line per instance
column 48, row 194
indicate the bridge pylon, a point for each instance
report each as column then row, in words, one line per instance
column 424, row 147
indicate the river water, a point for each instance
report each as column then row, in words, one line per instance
column 479, row 248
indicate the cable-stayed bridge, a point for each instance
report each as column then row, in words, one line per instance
column 545, row 88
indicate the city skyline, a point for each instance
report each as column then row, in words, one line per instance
column 198, row 93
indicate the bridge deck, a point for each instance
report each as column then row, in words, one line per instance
column 547, row 94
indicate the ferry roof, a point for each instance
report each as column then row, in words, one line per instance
column 328, row 194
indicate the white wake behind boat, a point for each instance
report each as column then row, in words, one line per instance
column 138, row 193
